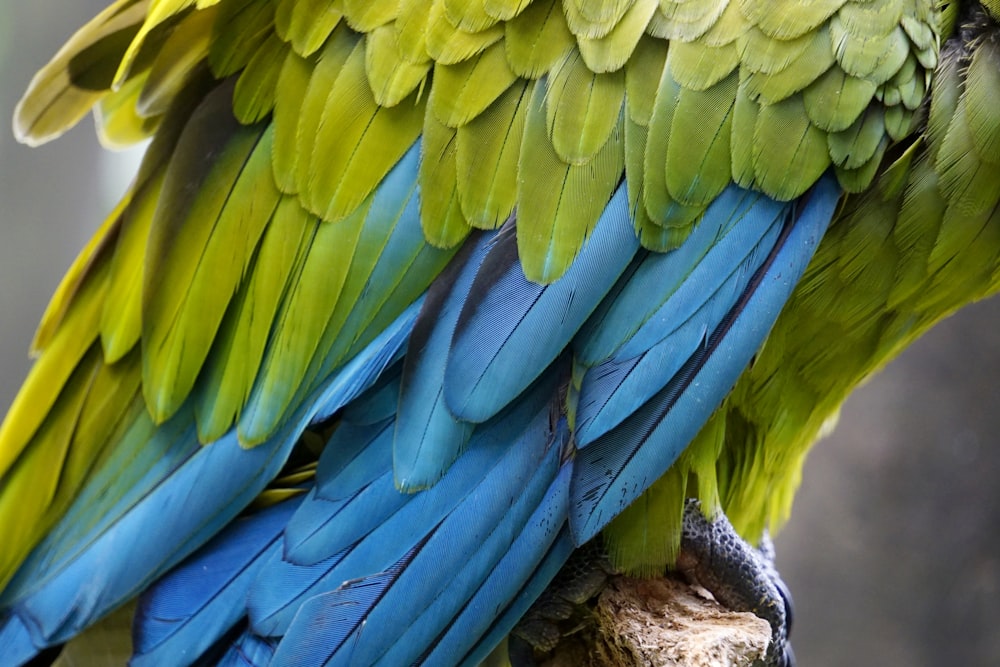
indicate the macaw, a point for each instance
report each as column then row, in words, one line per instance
column 410, row 299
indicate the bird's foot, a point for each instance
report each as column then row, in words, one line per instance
column 739, row 576
column 564, row 609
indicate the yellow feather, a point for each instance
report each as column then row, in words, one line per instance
column 254, row 96
column 462, row 91
column 366, row 15
column 610, row 52
column 121, row 320
column 440, row 213
column 52, row 103
column 307, row 24
column 229, row 374
column 537, row 39
column 581, row 109
column 488, row 151
column 447, row 44
column 559, row 204
column 184, row 49
column 197, row 252
column 357, row 141
column 306, row 309
column 390, row 75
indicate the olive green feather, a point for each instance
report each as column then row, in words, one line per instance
column 488, row 149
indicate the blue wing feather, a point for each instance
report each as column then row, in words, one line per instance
column 428, row 438
column 511, row 329
column 505, row 581
column 617, row 387
column 616, row 468
column 196, row 604
column 188, row 503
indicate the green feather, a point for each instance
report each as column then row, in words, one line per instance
column 558, row 203
column 254, row 96
column 366, row 15
column 199, row 247
column 582, row 109
column 230, row 370
column 698, row 156
column 610, row 52
column 391, row 76
column 306, row 24
column 488, row 149
column 463, row 90
column 537, row 39
column 306, row 308
column 835, row 100
column 356, row 143
column 441, row 215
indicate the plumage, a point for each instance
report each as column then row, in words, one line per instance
column 411, row 298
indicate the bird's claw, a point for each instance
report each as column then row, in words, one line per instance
column 739, row 576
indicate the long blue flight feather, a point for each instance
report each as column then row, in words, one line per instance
column 613, row 471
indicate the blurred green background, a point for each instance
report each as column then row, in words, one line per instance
column 893, row 552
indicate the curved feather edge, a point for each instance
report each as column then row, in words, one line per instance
column 431, row 582
column 427, row 437
column 511, row 329
column 613, row 390
column 220, row 479
column 614, row 470
column 187, row 611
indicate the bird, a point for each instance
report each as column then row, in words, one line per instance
column 409, row 300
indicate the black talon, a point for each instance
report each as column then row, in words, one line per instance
column 740, row 577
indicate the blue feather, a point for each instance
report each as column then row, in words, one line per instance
column 461, row 554
column 283, row 586
column 615, row 469
column 412, row 600
column 655, row 277
column 188, row 504
column 428, row 438
column 354, row 459
column 323, row 623
column 546, row 570
column 505, row 581
column 379, row 402
column 616, row 388
column 511, row 329
column 16, row 643
column 248, row 650
column 194, row 605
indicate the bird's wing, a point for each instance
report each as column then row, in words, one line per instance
column 588, row 214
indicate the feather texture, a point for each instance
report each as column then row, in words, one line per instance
column 296, row 279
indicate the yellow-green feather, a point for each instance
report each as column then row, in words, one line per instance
column 558, row 203
column 488, row 149
column 610, row 52
column 306, row 24
column 356, row 144
column 582, row 109
column 391, row 76
column 440, row 212
column 229, row 373
column 463, row 90
column 192, row 270
column 537, row 39
column 305, row 311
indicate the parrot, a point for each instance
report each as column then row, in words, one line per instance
column 412, row 302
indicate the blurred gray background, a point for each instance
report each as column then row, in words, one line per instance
column 893, row 552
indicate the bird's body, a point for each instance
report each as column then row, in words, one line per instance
column 442, row 288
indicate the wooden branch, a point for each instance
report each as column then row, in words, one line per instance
column 661, row 622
